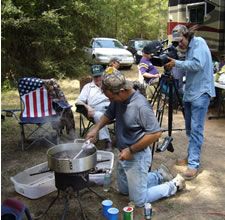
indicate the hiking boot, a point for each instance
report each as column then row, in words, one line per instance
column 182, row 162
column 179, row 182
column 165, row 172
column 190, row 174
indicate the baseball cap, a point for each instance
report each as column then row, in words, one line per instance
column 115, row 81
column 97, row 70
column 178, row 32
column 152, row 47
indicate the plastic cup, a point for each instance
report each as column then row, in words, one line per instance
column 106, row 204
column 113, row 214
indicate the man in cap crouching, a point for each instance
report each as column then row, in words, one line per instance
column 136, row 129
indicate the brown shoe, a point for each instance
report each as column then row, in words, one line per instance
column 182, row 162
column 190, row 174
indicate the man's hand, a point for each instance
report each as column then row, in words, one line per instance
column 158, row 75
column 125, row 154
column 91, row 111
column 92, row 135
column 170, row 64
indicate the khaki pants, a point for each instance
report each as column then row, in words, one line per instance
column 150, row 88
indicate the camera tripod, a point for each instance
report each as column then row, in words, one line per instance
column 164, row 94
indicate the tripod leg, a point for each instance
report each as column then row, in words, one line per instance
column 161, row 102
column 179, row 98
column 170, row 111
column 162, row 108
column 170, row 82
column 167, row 143
column 155, row 94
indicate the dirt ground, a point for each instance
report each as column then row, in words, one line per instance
column 203, row 198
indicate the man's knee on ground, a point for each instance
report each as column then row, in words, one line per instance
column 139, row 202
column 123, row 191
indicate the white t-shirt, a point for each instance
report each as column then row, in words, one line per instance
column 93, row 96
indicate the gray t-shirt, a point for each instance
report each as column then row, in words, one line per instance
column 134, row 119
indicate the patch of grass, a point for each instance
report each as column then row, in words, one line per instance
column 10, row 99
column 70, row 88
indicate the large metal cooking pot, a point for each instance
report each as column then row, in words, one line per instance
column 62, row 158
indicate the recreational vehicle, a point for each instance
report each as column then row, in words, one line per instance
column 208, row 14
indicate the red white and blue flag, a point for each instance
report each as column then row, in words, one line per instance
column 37, row 102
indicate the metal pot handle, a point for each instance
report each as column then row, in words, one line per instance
column 79, row 141
column 40, row 172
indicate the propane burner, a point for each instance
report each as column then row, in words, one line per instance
column 70, row 183
column 77, row 181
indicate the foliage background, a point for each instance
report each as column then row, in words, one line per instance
column 45, row 37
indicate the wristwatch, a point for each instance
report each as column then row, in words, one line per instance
column 131, row 151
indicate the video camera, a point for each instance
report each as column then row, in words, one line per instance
column 161, row 54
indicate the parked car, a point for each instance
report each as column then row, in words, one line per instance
column 135, row 46
column 101, row 50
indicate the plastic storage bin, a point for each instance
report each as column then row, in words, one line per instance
column 98, row 178
column 36, row 186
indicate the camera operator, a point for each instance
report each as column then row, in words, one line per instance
column 148, row 70
column 199, row 88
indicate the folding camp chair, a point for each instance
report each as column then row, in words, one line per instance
column 37, row 111
column 85, row 122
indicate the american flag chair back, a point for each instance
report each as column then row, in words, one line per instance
column 37, row 104
column 36, row 107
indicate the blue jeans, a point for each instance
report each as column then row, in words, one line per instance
column 142, row 186
column 195, row 114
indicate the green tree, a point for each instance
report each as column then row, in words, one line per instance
column 45, row 38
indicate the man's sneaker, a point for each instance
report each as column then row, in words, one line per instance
column 179, row 182
column 165, row 172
